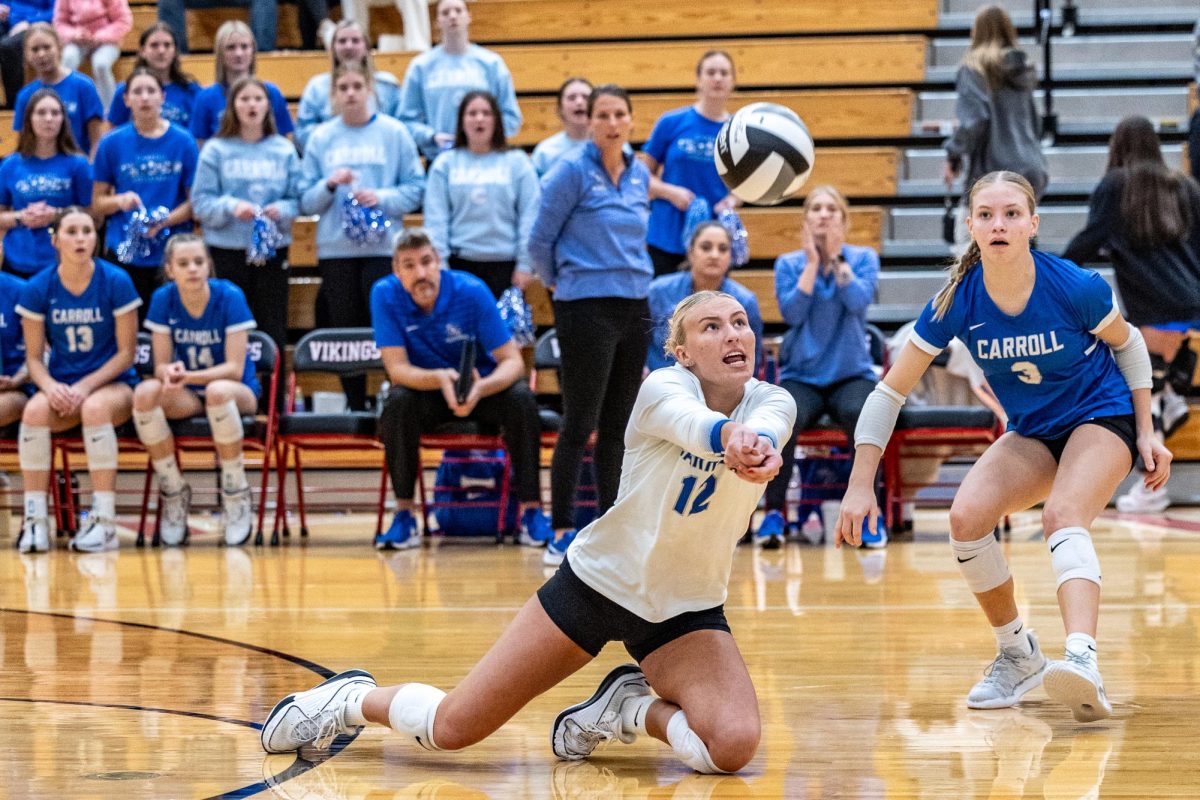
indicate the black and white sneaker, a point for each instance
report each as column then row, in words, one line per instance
column 35, row 536
column 581, row 728
column 314, row 717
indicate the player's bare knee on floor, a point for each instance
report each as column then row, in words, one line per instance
column 733, row 746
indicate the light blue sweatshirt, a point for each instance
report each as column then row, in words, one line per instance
column 549, row 150
column 481, row 207
column 434, row 86
column 316, row 108
column 264, row 173
column 383, row 158
column 589, row 238
column 826, row 340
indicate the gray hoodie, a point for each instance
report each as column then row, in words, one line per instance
column 999, row 129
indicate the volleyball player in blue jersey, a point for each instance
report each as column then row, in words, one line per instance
column 83, row 311
column 14, row 376
column 1074, row 378
column 201, row 328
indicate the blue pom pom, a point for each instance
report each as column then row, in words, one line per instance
column 363, row 226
column 136, row 242
column 517, row 315
column 697, row 212
column 265, row 239
column 740, row 248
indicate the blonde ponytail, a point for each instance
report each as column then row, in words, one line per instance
column 958, row 270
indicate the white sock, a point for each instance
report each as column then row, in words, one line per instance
column 233, row 474
column 1082, row 644
column 1013, row 637
column 353, row 715
column 169, row 476
column 35, row 505
column 634, row 712
column 104, row 505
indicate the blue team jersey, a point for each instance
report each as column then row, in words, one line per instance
column 12, row 340
column 80, row 97
column 178, row 100
column 60, row 181
column 210, row 103
column 1046, row 364
column 159, row 170
column 81, row 331
column 200, row 341
column 682, row 143
column 465, row 307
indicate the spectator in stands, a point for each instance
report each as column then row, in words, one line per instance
column 436, row 82
column 245, row 170
column 481, row 198
column 15, row 387
column 824, row 290
column 93, row 28
column 82, row 311
column 372, row 160
column 679, row 154
column 200, row 327
column 588, row 246
column 572, row 110
column 708, row 256
column 236, row 59
column 147, row 164
column 158, row 53
column 18, row 16
column 997, row 124
column 84, row 109
column 423, row 314
column 348, row 46
column 264, row 20
column 46, row 174
column 1147, row 217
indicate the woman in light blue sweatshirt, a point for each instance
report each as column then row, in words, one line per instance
column 247, row 168
column 481, row 198
column 588, row 246
column 350, row 46
column 371, row 158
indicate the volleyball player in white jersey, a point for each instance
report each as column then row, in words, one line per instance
column 1074, row 378
column 653, row 573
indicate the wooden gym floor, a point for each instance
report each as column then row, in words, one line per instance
column 145, row 673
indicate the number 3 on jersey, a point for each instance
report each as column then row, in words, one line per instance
column 701, row 501
column 1027, row 372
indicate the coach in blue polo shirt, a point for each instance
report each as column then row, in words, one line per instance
column 423, row 316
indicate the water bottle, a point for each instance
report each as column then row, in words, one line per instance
column 381, row 397
column 298, row 406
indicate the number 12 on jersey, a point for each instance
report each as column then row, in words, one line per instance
column 701, row 501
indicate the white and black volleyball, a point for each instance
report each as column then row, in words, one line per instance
column 764, row 153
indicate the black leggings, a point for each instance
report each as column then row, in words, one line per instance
column 12, row 66
column 409, row 413
column 603, row 341
column 496, row 274
column 266, row 290
column 842, row 400
column 346, row 291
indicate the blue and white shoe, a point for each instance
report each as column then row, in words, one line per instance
column 535, row 528
column 875, row 540
column 771, row 530
column 400, row 535
column 556, row 549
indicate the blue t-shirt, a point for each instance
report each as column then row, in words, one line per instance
column 12, row 339
column 60, row 181
column 178, row 100
column 682, row 143
column 200, row 341
column 80, row 97
column 210, row 102
column 81, row 331
column 159, row 170
column 665, row 293
column 465, row 307
column 1046, row 364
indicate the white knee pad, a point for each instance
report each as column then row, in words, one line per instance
column 412, row 711
column 1073, row 556
column 981, row 563
column 151, row 426
column 689, row 747
column 33, row 448
column 226, row 422
column 100, row 444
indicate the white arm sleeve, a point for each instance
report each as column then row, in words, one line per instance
column 878, row 417
column 1133, row 359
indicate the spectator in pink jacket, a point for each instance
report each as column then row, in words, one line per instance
column 95, row 28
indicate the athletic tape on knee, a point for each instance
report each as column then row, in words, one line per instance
column 100, row 444
column 412, row 711
column 151, row 426
column 33, row 448
column 1073, row 556
column 689, row 747
column 225, row 421
column 981, row 563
